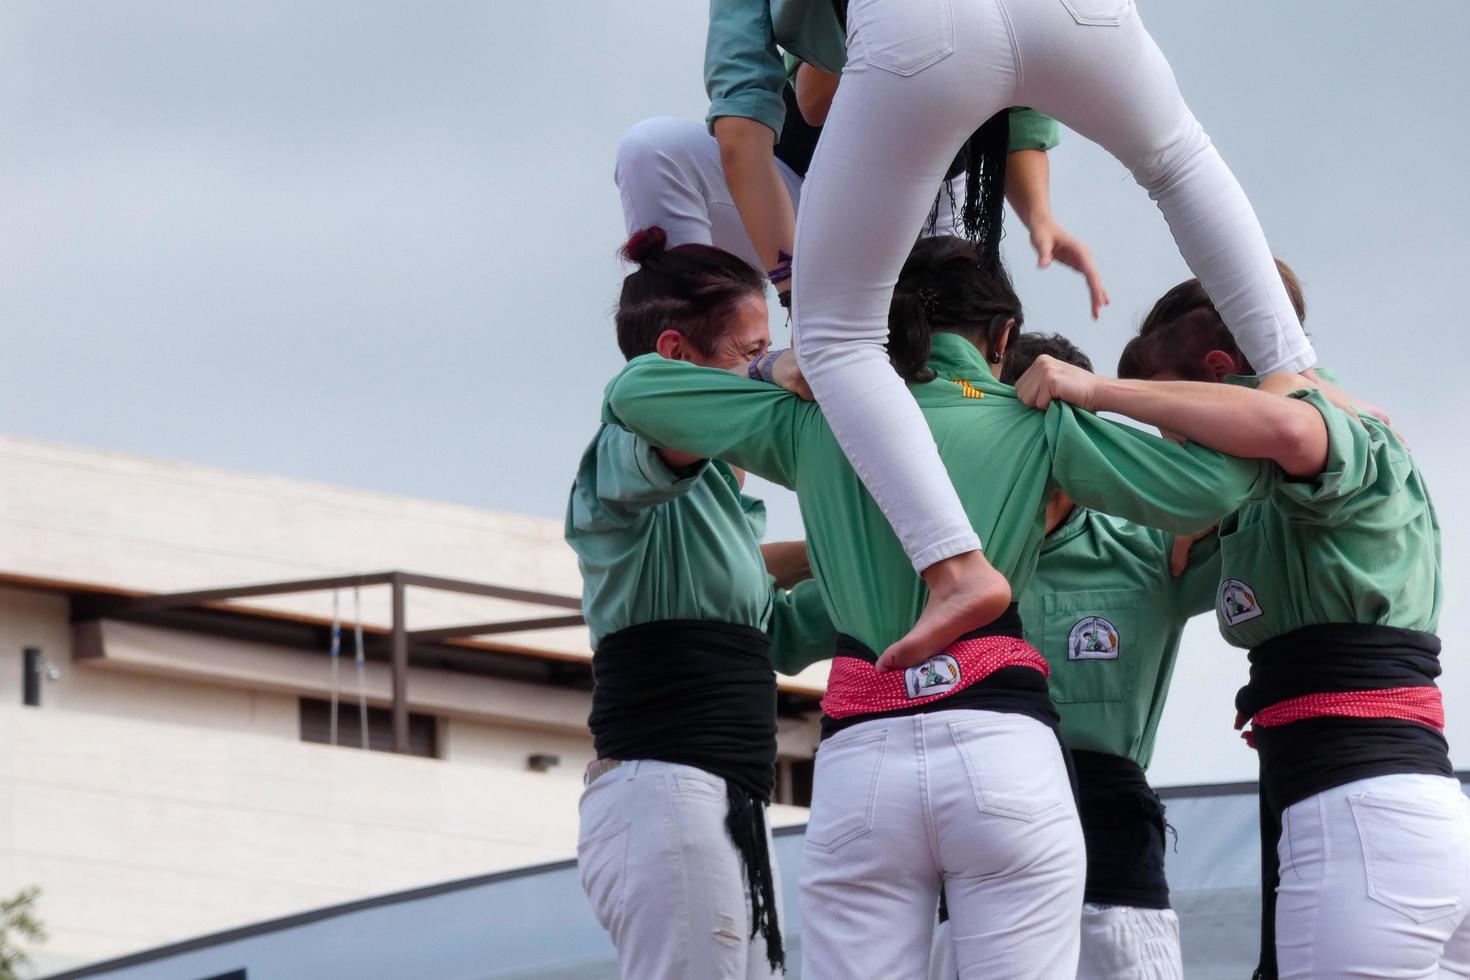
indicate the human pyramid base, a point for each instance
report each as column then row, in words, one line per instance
column 999, row 576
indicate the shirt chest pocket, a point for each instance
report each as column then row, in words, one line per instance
column 1090, row 639
column 1246, row 601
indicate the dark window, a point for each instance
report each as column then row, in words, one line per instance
column 316, row 726
column 794, row 781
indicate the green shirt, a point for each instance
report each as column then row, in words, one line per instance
column 744, row 71
column 1108, row 616
column 1359, row 543
column 1005, row 460
column 657, row 545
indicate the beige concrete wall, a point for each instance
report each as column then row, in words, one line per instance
column 83, row 515
column 142, row 833
column 40, row 619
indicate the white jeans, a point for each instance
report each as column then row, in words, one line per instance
column 1119, row 942
column 669, row 174
column 1375, row 881
column 664, row 878
column 976, row 800
column 921, row 75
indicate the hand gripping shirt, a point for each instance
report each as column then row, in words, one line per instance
column 1108, row 616
column 1358, row 543
column 1004, row 458
column 657, row 545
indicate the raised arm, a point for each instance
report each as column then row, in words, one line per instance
column 1028, row 189
column 710, row 414
column 744, row 76
column 1230, row 418
column 1121, row 470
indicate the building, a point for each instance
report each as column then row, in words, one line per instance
column 171, row 783
column 175, row 778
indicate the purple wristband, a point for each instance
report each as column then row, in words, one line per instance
column 763, row 367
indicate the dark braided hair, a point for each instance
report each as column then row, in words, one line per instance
column 1184, row 326
column 982, row 215
column 948, row 286
column 689, row 288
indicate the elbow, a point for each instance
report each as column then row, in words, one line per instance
column 814, row 107
column 1302, row 443
column 743, row 142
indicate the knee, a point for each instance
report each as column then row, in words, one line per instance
column 1160, row 168
column 657, row 142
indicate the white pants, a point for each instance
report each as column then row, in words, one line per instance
column 669, row 174
column 1118, row 943
column 921, row 75
column 976, row 800
column 664, row 878
column 1375, row 881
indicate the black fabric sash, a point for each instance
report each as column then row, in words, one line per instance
column 1123, row 827
column 1308, row 757
column 704, row 695
column 1014, row 690
column 693, row 693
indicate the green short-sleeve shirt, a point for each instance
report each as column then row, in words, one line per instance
column 658, row 545
column 1108, row 616
column 1358, row 543
column 1005, row 460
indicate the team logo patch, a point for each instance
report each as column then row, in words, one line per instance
column 937, row 675
column 1093, row 638
column 1238, row 602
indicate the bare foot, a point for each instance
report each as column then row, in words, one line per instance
column 965, row 593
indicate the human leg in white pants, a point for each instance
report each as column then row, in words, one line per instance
column 664, row 878
column 1375, row 881
column 1121, row 942
column 975, row 799
column 669, row 174
column 921, row 76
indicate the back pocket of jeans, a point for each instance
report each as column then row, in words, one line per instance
column 1014, row 764
column 1414, row 855
column 1099, row 13
column 903, row 38
column 846, row 789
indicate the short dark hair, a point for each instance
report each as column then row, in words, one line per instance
column 689, row 288
column 1025, row 348
column 1184, row 326
column 947, row 286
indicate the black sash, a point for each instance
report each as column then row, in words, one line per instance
column 704, row 695
column 693, row 693
column 1015, row 690
column 1123, row 827
column 1308, row 757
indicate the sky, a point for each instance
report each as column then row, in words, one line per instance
column 372, row 243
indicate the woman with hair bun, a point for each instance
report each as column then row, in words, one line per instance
column 948, row 773
column 1331, row 579
column 687, row 626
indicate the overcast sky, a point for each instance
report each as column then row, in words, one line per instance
column 371, row 243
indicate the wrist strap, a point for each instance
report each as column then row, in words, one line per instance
column 763, row 367
column 782, row 271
